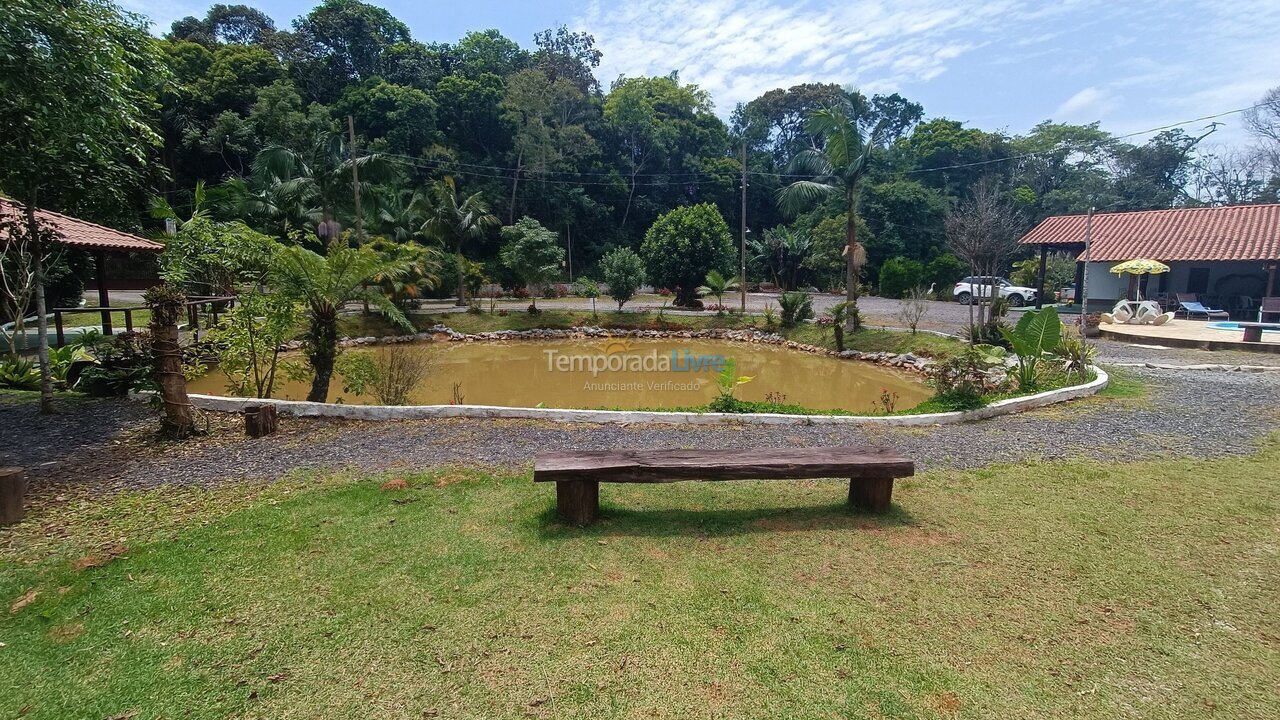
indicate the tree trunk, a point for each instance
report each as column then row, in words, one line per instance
column 42, row 321
column 167, row 305
column 851, row 250
column 627, row 213
column 322, row 349
column 462, row 283
column 515, row 183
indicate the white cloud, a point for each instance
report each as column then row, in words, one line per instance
column 1089, row 103
column 737, row 49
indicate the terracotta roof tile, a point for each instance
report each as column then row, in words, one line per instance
column 84, row 234
column 1238, row 232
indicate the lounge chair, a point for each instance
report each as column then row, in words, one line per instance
column 1269, row 306
column 1189, row 305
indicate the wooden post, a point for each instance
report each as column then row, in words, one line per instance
column 578, row 501
column 57, row 323
column 872, row 494
column 1080, row 286
column 13, row 489
column 1044, row 258
column 260, row 420
column 104, row 298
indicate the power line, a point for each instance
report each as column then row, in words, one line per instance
column 692, row 178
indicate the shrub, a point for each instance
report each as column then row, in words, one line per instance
column 19, row 374
column 685, row 244
column 943, row 272
column 1075, row 355
column 797, row 307
column 727, row 383
column 898, row 276
column 962, row 382
column 124, row 363
column 623, row 273
column 389, row 375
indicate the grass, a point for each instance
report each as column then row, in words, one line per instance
column 1072, row 589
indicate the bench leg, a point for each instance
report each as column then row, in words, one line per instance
column 578, row 501
column 871, row 494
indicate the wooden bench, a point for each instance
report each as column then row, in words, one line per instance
column 1253, row 330
column 578, row 475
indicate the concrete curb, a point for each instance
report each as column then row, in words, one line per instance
column 298, row 408
column 1214, row 367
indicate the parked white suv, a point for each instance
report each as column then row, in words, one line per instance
column 972, row 286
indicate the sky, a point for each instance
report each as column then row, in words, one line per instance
column 1000, row 65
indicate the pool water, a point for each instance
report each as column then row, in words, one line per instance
column 1236, row 326
column 627, row 374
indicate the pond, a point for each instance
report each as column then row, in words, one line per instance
column 623, row 374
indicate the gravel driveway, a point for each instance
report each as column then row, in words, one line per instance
column 106, row 444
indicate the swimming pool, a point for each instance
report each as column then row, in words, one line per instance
column 1236, row 326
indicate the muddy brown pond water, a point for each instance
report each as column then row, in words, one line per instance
column 623, row 374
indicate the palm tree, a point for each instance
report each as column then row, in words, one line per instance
column 783, row 253
column 318, row 181
column 718, row 285
column 838, row 167
column 323, row 285
column 420, row 272
column 455, row 222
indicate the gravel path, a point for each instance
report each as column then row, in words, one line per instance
column 1186, row 413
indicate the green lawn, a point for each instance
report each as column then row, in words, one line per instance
column 1070, row 590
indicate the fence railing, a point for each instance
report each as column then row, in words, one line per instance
column 212, row 305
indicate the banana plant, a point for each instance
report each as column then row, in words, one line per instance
column 1038, row 332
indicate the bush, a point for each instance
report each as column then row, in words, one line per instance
column 683, row 245
column 898, row 276
column 963, row 382
column 623, row 273
column 943, row 272
column 797, row 307
column 19, row 374
column 124, row 363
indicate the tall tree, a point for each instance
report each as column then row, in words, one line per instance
column 76, row 101
column 837, row 168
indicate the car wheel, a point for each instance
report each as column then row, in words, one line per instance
column 964, row 298
column 1016, row 300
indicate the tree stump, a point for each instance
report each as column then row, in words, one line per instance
column 260, row 420
column 13, row 489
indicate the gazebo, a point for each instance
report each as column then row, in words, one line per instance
column 90, row 237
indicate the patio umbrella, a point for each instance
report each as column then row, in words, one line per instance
column 1136, row 267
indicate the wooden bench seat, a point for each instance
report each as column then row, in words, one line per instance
column 578, row 475
column 1253, row 330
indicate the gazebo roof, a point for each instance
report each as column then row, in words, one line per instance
column 83, row 234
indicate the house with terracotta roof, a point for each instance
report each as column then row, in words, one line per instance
column 1227, row 255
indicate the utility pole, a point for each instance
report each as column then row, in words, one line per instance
column 1084, row 280
column 355, row 179
column 742, row 259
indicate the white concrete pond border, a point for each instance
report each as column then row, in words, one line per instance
column 299, row 408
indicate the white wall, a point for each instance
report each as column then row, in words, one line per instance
column 1225, row 278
